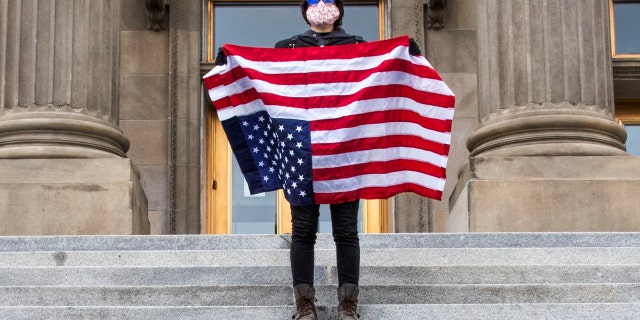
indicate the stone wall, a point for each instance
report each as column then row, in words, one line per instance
column 452, row 51
column 160, row 110
column 144, row 104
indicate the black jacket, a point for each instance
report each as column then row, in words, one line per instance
column 311, row 38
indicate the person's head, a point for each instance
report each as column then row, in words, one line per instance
column 304, row 5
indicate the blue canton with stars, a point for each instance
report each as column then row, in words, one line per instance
column 273, row 154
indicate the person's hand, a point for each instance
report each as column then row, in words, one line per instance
column 414, row 49
column 221, row 58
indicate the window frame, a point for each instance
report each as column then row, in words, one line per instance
column 628, row 111
column 209, row 54
column 613, row 33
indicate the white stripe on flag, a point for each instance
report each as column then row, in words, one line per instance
column 387, row 154
column 379, row 180
column 284, row 67
column 358, row 107
column 378, row 130
column 331, row 89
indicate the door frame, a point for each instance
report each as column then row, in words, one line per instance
column 377, row 215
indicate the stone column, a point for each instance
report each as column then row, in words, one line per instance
column 545, row 79
column 59, row 103
column 548, row 155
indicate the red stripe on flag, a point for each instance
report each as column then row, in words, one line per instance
column 325, row 76
column 378, row 168
column 377, row 193
column 318, row 102
column 323, row 149
column 382, row 117
column 237, row 99
column 213, row 82
column 373, row 92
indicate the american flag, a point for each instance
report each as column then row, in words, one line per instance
column 337, row 123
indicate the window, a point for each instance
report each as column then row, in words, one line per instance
column 263, row 23
column 625, row 26
column 628, row 114
column 633, row 138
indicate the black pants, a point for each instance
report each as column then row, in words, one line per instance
column 344, row 221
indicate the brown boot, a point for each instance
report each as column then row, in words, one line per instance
column 305, row 302
column 348, row 297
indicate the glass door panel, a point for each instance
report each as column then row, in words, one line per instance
column 264, row 24
column 252, row 214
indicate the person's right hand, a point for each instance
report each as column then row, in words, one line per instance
column 221, row 58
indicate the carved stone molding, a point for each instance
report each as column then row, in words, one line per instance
column 157, row 14
column 173, row 120
column 566, row 128
column 629, row 68
column 435, row 14
column 58, row 132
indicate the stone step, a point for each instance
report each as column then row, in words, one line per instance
column 229, row 242
column 281, row 275
column 403, row 276
column 282, row 295
column 326, row 257
column 150, row 276
column 568, row 311
column 547, row 311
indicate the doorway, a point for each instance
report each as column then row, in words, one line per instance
column 231, row 208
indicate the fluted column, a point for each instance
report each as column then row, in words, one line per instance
column 58, row 79
column 545, row 79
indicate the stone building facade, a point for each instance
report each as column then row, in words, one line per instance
column 105, row 128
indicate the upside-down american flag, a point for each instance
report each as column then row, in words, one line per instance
column 336, row 123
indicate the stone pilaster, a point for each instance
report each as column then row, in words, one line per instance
column 59, row 64
column 548, row 155
column 408, row 18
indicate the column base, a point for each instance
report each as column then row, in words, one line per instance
column 547, row 194
column 48, row 132
column 548, row 129
column 71, row 197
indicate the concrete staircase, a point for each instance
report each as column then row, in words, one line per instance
column 403, row 276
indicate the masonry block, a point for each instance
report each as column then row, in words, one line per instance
column 71, row 197
column 547, row 194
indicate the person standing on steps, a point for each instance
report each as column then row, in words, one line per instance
column 325, row 19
